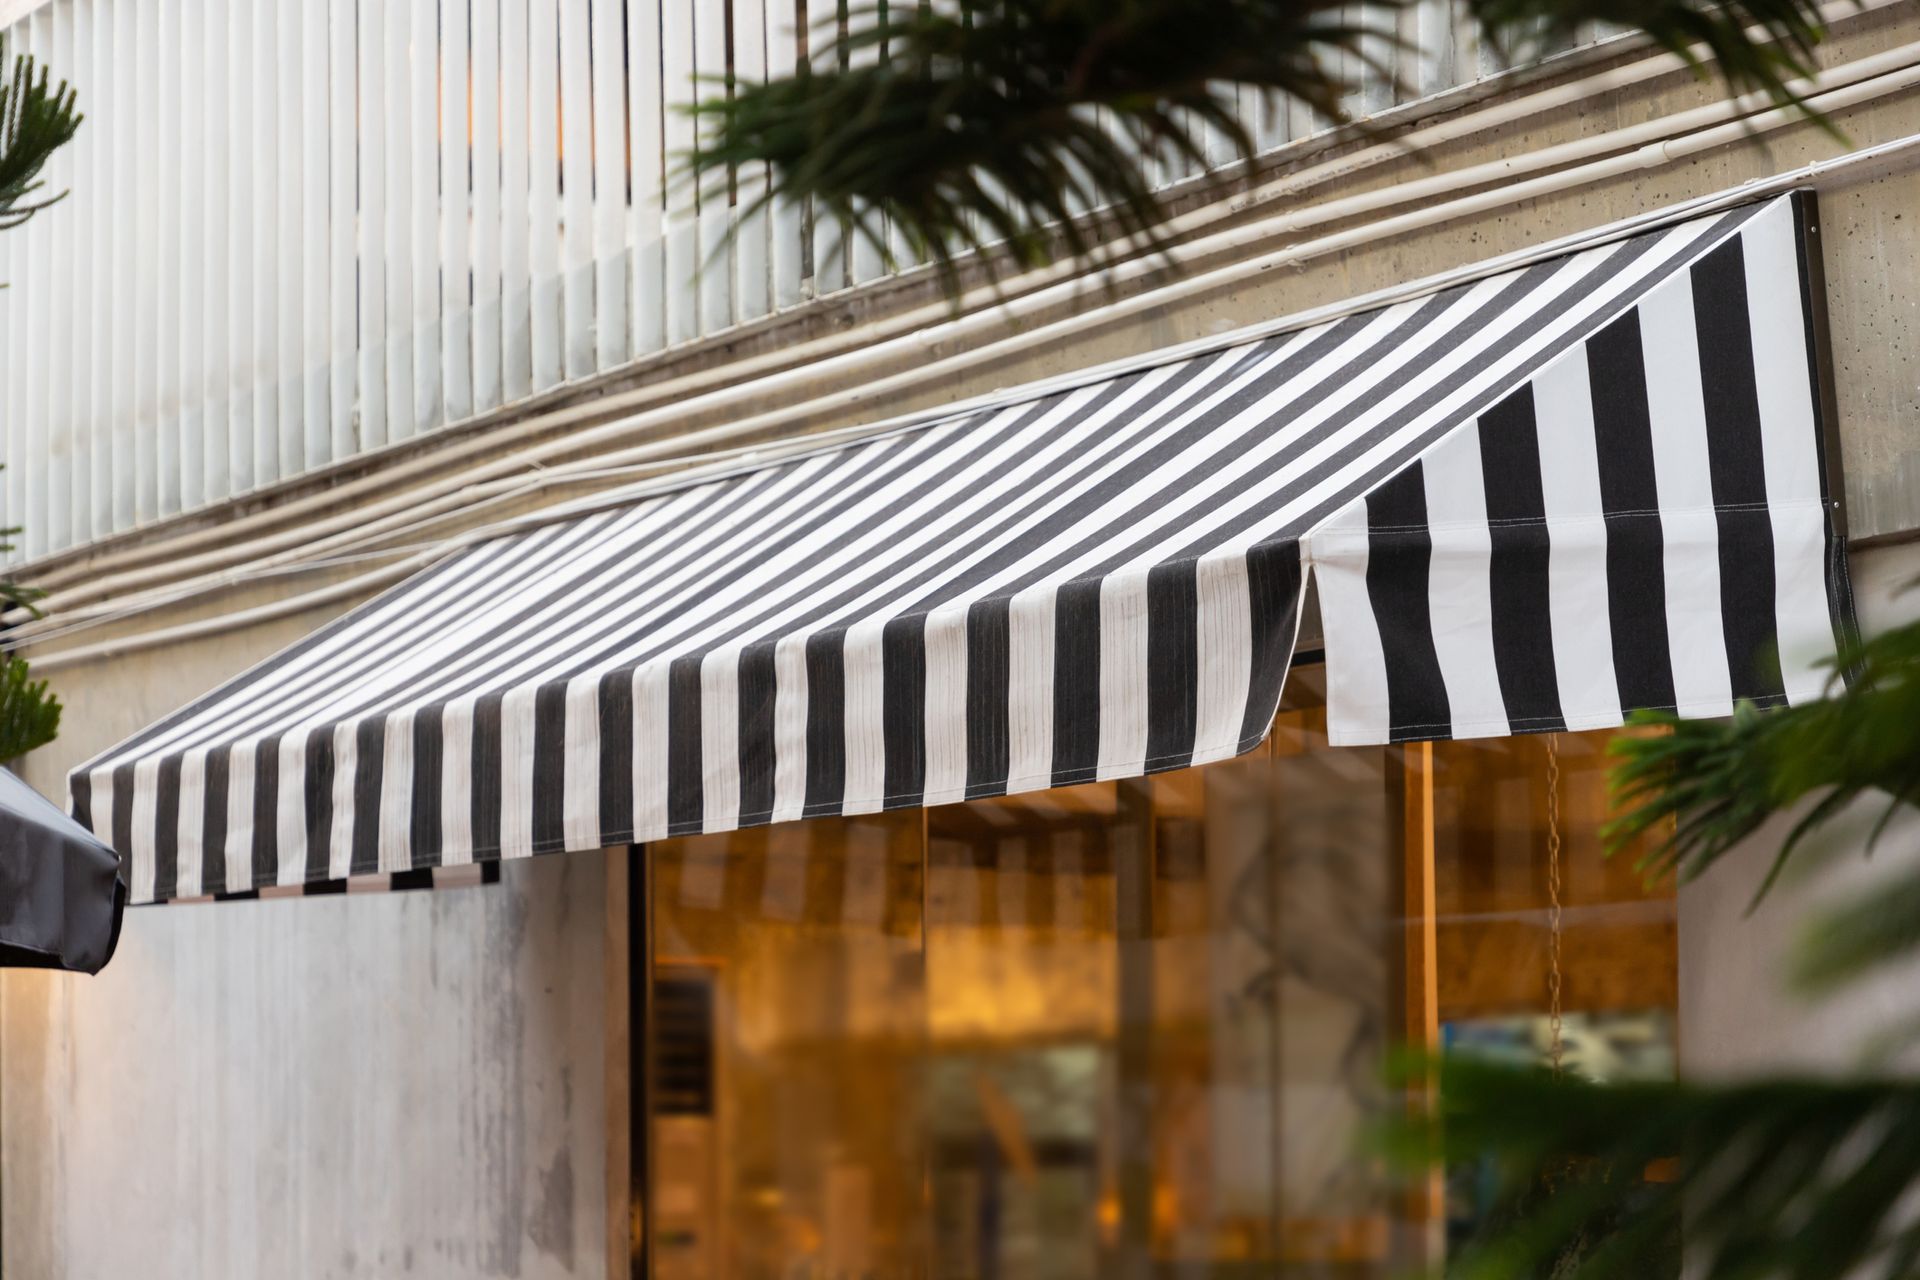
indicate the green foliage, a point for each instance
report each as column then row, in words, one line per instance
column 37, row 118
column 29, row 715
column 1778, row 1179
column 972, row 122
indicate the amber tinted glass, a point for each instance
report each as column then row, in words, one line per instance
column 1129, row 1028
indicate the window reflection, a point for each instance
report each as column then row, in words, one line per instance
column 1129, row 1028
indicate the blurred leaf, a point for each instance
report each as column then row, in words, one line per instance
column 966, row 123
column 29, row 715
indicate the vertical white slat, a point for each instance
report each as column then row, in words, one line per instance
column 119, row 19
column 310, row 369
column 576, row 162
column 164, row 55
column 829, row 233
column 343, row 200
column 485, row 73
column 423, row 71
column 342, row 212
column 403, row 126
column 681, row 223
column 456, row 280
column 716, row 267
column 13, row 254
column 611, row 271
column 786, row 236
column 753, row 295
column 865, row 260
column 146, row 442
column 52, row 309
column 289, row 325
column 73, row 360
column 216, row 160
column 516, row 284
column 373, row 127
column 263, row 109
column 646, row 145
column 187, row 154
column 93, row 379
column 543, row 188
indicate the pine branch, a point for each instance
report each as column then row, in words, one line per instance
column 29, row 715
column 37, row 118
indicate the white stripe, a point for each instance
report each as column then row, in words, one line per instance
column 866, row 756
column 1030, row 635
column 1123, row 675
column 516, row 772
column 720, row 738
column 580, row 796
column 396, row 795
column 789, row 728
column 346, row 758
column 1789, row 445
column 188, row 823
column 1358, row 710
column 1460, row 588
column 650, row 743
column 240, row 773
column 1682, row 475
column 1225, row 635
column 946, row 706
column 290, row 836
column 1577, row 537
column 456, row 783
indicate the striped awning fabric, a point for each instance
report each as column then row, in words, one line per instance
column 1532, row 501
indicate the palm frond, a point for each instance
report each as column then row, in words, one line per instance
column 1791, row 1179
column 967, row 123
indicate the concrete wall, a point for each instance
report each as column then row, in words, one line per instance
column 1738, row 1013
column 381, row 1085
column 417, row 1084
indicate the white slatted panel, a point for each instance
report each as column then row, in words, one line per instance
column 301, row 229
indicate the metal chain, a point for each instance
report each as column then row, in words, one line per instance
column 1555, row 1044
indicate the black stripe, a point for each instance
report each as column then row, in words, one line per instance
column 903, row 710
column 369, row 768
column 826, row 785
column 486, row 777
column 123, row 810
column 425, row 833
column 549, row 768
column 1173, row 664
column 266, row 810
column 80, row 797
column 1813, row 298
column 1736, row 462
column 1518, row 566
column 616, row 757
column 166, row 834
column 686, row 759
column 1399, row 559
column 317, row 779
column 989, row 684
column 757, row 695
column 1076, row 682
column 213, row 822
column 1273, row 600
column 418, row 878
column 1636, row 568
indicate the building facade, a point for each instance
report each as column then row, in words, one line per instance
column 306, row 325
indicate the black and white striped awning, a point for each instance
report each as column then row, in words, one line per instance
column 1530, row 501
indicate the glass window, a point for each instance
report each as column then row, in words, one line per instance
column 1130, row 1028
